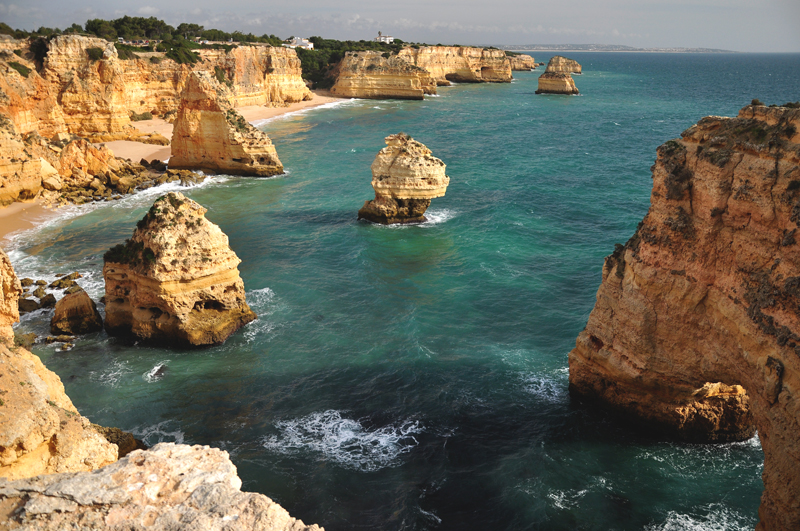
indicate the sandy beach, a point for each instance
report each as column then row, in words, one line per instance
column 21, row 216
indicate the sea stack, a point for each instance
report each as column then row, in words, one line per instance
column 557, row 78
column 696, row 329
column 405, row 177
column 176, row 281
column 211, row 135
column 562, row 65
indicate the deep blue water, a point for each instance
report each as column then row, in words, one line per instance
column 416, row 377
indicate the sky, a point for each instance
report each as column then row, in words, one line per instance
column 739, row 25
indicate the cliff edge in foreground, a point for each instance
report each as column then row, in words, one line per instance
column 210, row 134
column 170, row 487
column 176, row 281
column 696, row 329
column 405, row 177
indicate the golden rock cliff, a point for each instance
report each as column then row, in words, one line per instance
column 696, row 329
column 372, row 75
column 21, row 168
column 41, row 432
column 210, row 135
column 522, row 62
column 460, row 64
column 176, row 281
column 405, row 177
column 562, row 65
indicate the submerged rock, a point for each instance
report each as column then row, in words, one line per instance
column 405, row 177
column 210, row 134
column 696, row 329
column 176, row 281
column 167, row 488
column 76, row 314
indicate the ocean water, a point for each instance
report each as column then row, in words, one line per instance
column 416, row 377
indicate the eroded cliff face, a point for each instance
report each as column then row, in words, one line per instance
column 562, row 65
column 696, row 329
column 405, row 177
column 460, row 64
column 553, row 83
column 372, row 75
column 10, row 290
column 522, row 62
column 94, row 97
column 22, row 169
column 176, row 281
column 209, row 134
column 168, row 488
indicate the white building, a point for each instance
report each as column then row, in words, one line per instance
column 297, row 42
column 384, row 38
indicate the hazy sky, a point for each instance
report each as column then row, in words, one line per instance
column 741, row 25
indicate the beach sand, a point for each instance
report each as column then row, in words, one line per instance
column 21, row 216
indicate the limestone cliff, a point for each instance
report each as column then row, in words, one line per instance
column 21, row 168
column 372, row 75
column 552, row 83
column 73, row 91
column 522, row 62
column 176, row 281
column 696, row 329
column 210, row 135
column 259, row 75
column 405, row 177
column 460, row 64
column 10, row 290
column 168, row 488
column 562, row 65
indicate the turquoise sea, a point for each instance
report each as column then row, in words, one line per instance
column 416, row 377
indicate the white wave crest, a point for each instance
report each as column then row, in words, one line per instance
column 157, row 433
column 112, row 374
column 156, row 373
column 546, row 388
column 345, row 441
column 261, row 123
column 717, row 518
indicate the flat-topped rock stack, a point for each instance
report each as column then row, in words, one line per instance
column 176, row 281
column 557, row 78
column 522, row 62
column 405, row 177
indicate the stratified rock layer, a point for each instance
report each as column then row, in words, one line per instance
column 176, row 281
column 10, row 290
column 405, row 177
column 562, row 65
column 550, row 83
column 460, row 64
column 168, row 488
column 41, row 432
column 210, row 135
column 371, row 75
column 522, row 62
column 696, row 329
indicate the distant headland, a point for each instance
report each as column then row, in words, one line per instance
column 602, row 48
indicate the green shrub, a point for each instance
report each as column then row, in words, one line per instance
column 182, row 56
column 95, row 54
column 125, row 253
column 23, row 70
column 155, row 60
column 792, row 105
column 756, row 101
column 125, row 52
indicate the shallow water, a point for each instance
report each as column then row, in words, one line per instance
column 416, row 377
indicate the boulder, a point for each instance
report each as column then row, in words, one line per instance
column 76, row 313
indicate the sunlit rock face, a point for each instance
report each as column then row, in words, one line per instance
column 696, row 329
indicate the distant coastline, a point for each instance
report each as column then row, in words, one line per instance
column 602, row 48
